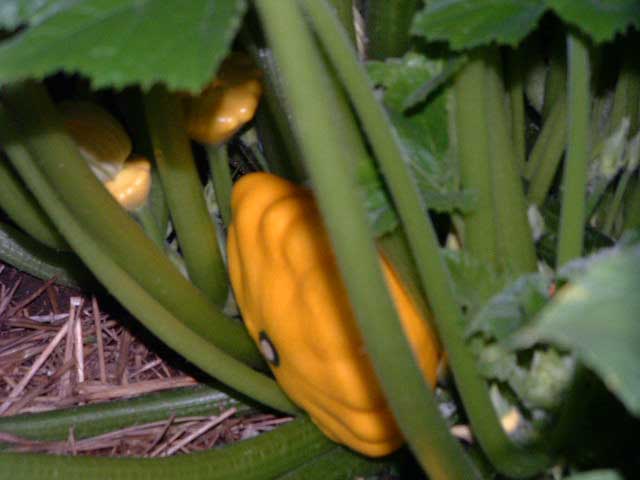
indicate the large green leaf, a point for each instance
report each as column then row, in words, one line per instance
column 596, row 316
column 121, row 42
column 469, row 23
column 601, row 19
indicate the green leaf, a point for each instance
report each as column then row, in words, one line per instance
column 423, row 130
column 474, row 281
column 601, row 19
column 596, row 475
column 470, row 23
column 401, row 76
column 14, row 13
column 512, row 308
column 122, row 42
column 596, row 316
column 547, row 379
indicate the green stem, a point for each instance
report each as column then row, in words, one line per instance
column 263, row 457
column 480, row 235
column 29, row 255
column 221, row 177
column 632, row 206
column 632, row 161
column 387, row 25
column 337, row 464
column 507, row 457
column 329, row 162
column 344, row 11
column 184, row 193
column 515, row 70
column 98, row 418
column 574, row 183
column 556, row 81
column 17, row 202
column 147, row 220
column 547, row 153
column 515, row 241
column 56, row 158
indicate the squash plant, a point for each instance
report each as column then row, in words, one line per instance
column 488, row 149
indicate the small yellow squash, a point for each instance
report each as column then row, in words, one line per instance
column 132, row 184
column 106, row 147
column 295, row 306
column 227, row 103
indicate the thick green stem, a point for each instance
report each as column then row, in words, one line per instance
column 546, row 153
column 119, row 237
column 472, row 142
column 184, row 193
column 556, row 82
column 515, row 241
column 122, row 285
column 330, row 166
column 515, row 70
column 221, row 177
column 344, row 11
column 264, row 457
column 17, row 202
column 506, row 456
column 29, row 255
column 96, row 419
column 574, row 183
column 387, row 27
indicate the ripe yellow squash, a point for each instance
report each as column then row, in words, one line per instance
column 295, row 306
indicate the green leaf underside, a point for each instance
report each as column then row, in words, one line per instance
column 121, row 42
column 601, row 19
column 423, row 131
column 14, row 13
column 596, row 475
column 597, row 317
column 469, row 23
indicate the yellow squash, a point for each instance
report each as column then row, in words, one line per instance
column 295, row 306
column 227, row 103
column 132, row 184
column 106, row 147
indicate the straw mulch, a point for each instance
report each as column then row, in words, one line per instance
column 58, row 349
